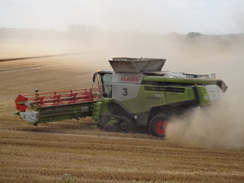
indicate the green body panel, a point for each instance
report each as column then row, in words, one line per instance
column 104, row 106
column 146, row 99
column 175, row 97
column 202, row 95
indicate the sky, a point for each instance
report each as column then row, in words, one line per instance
column 146, row 16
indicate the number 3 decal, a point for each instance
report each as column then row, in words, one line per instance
column 125, row 91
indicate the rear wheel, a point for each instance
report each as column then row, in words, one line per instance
column 157, row 125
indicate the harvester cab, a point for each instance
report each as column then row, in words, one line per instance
column 103, row 81
column 136, row 93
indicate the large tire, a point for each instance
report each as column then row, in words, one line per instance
column 157, row 125
column 113, row 122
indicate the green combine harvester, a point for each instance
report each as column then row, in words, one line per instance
column 135, row 94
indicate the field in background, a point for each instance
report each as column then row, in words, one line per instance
column 73, row 151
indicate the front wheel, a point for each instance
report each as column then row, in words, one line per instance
column 157, row 125
column 113, row 122
column 125, row 124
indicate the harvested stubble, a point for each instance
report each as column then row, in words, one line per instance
column 74, row 150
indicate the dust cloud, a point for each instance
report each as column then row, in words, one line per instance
column 216, row 127
column 220, row 126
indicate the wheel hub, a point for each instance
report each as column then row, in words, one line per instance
column 160, row 127
column 123, row 126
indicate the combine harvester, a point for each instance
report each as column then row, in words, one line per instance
column 136, row 93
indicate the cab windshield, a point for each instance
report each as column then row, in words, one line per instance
column 107, row 85
column 103, row 79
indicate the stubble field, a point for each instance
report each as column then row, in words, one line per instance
column 72, row 151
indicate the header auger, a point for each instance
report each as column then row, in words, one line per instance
column 136, row 93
